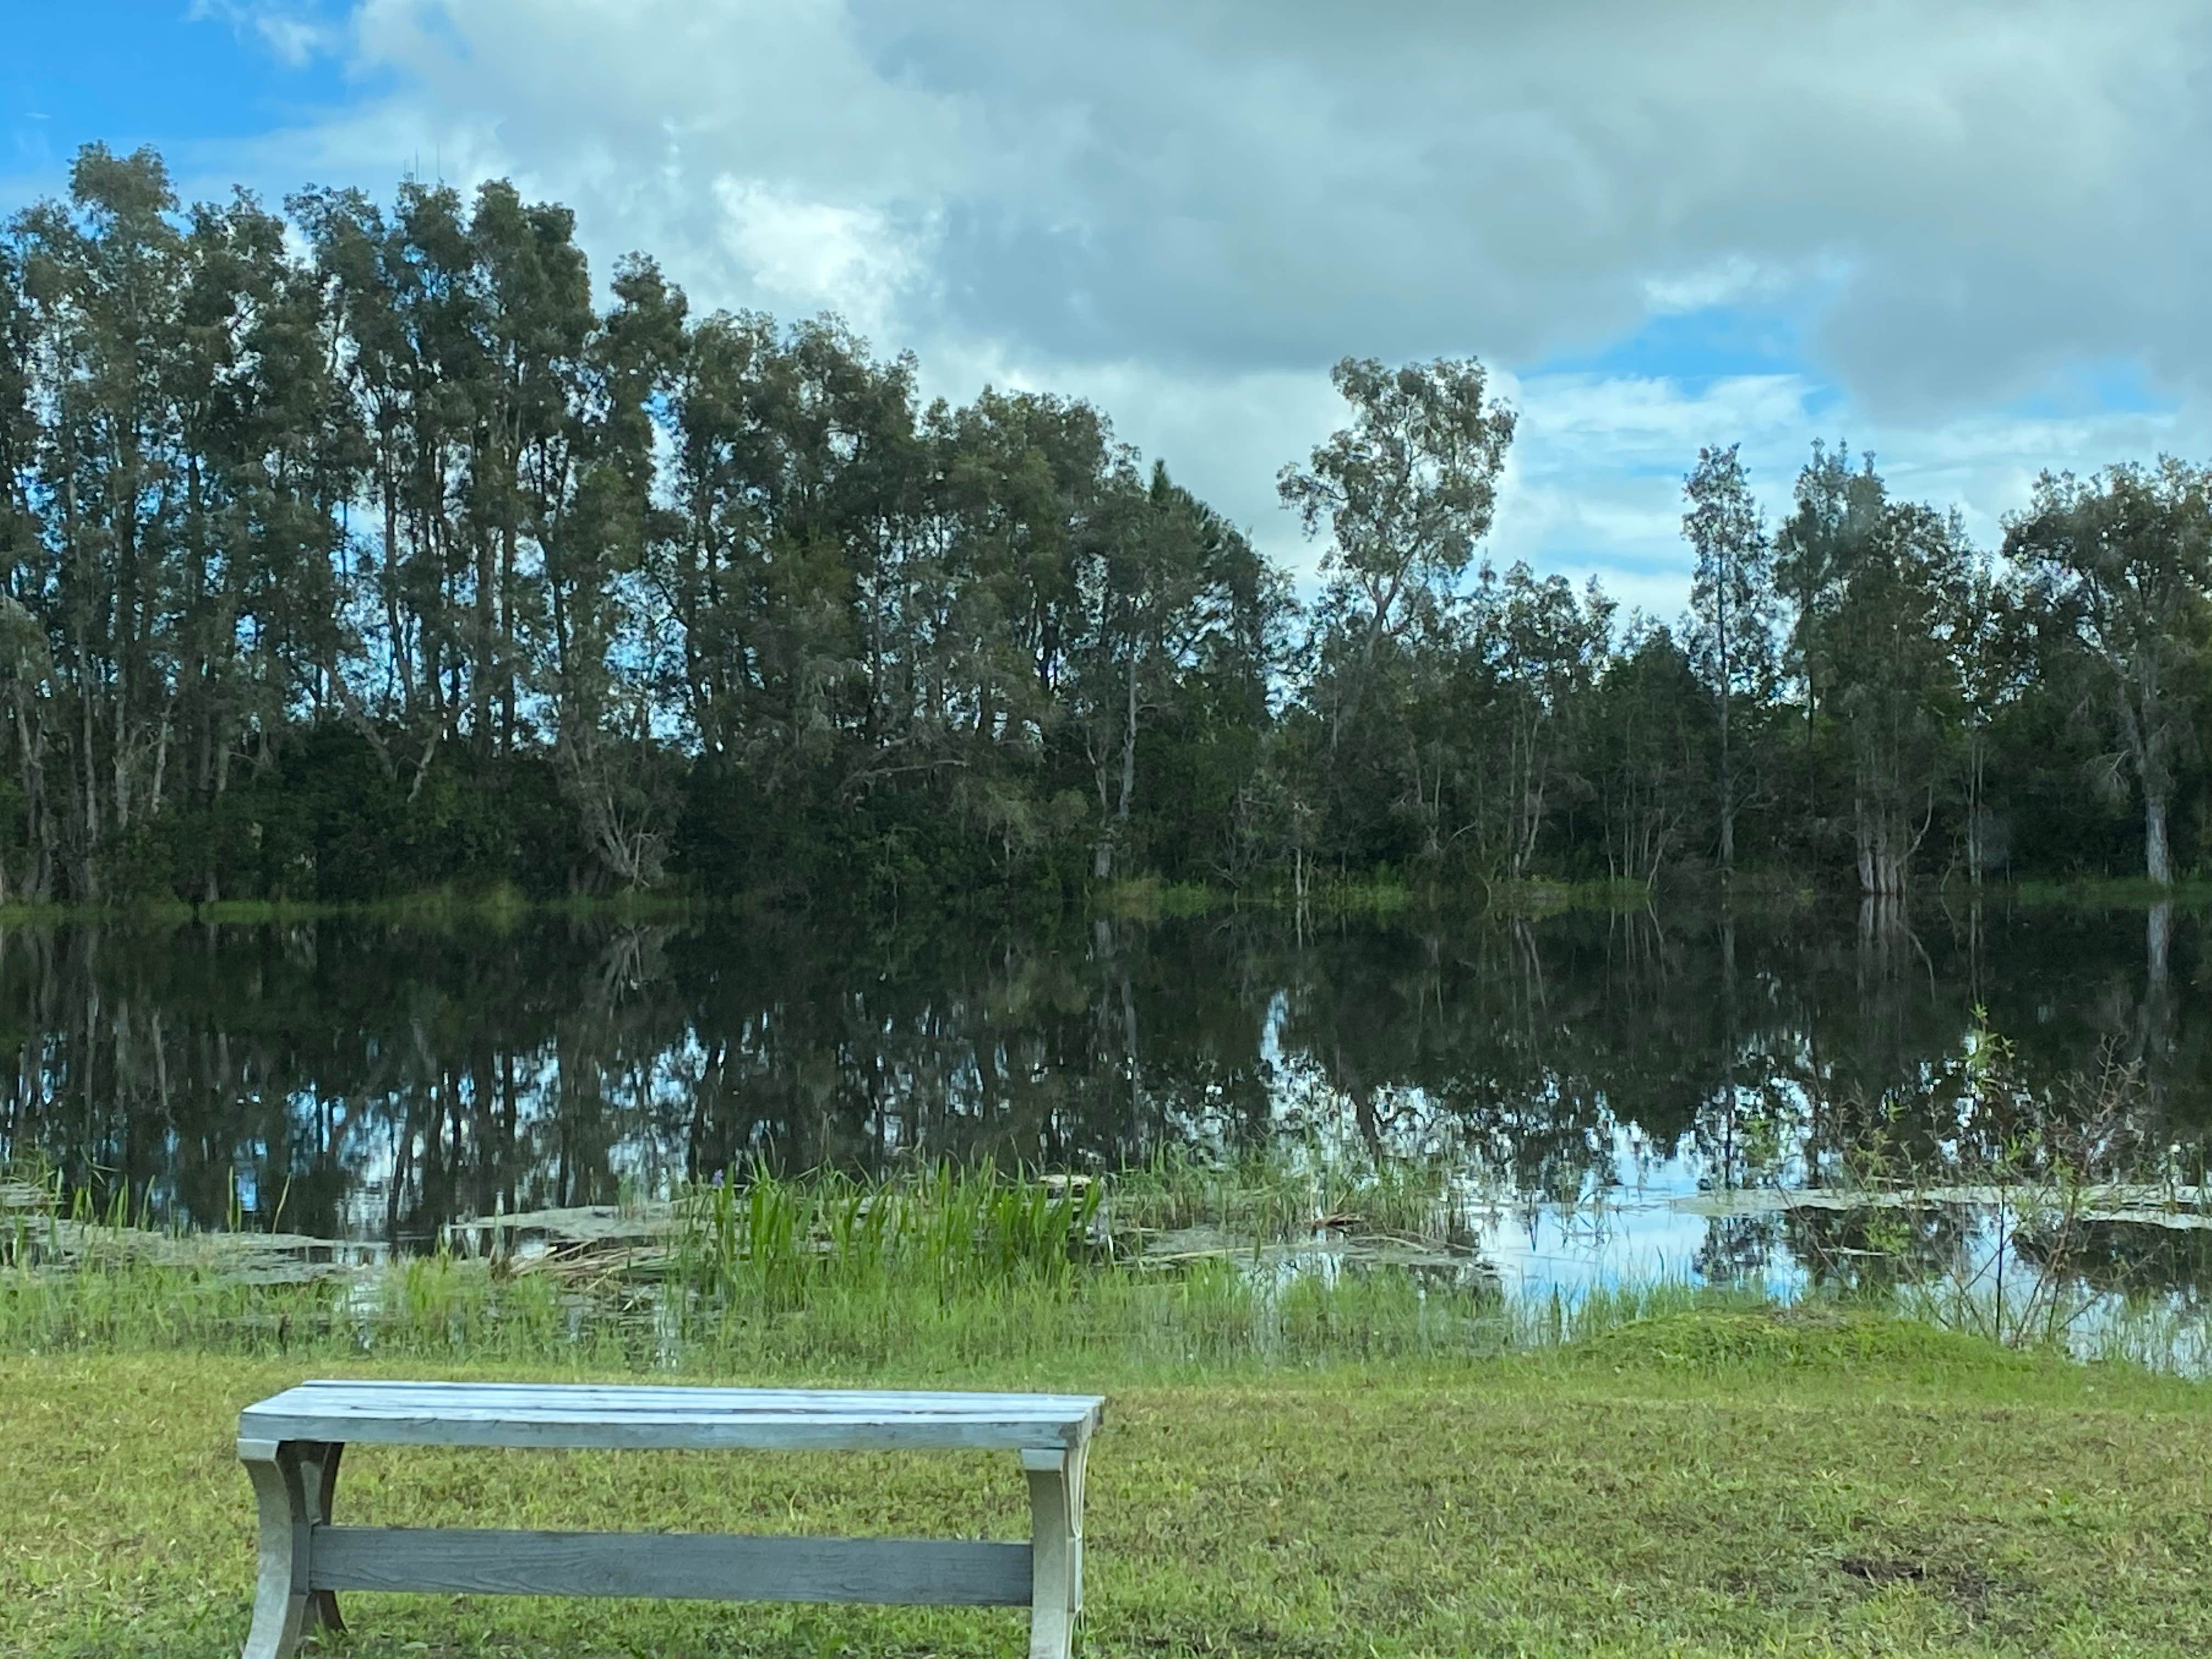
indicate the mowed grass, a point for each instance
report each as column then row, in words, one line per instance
column 1740, row 1482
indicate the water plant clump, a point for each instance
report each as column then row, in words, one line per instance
column 2032, row 1213
column 965, row 1263
column 1298, row 1252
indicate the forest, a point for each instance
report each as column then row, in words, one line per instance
column 363, row 548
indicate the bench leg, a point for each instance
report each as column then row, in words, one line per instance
column 319, row 1479
column 1055, row 1549
column 293, row 1480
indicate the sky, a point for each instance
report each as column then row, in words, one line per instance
column 1967, row 237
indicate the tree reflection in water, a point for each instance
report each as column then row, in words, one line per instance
column 387, row 1079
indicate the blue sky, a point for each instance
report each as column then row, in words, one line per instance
column 1967, row 236
column 131, row 72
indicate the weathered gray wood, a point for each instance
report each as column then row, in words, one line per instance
column 319, row 1480
column 616, row 1393
column 292, row 1445
column 673, row 1566
column 1052, row 1586
column 280, row 1599
column 618, row 1396
column 664, row 1418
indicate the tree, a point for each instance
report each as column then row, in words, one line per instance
column 2120, row 563
column 1732, row 608
column 1885, row 635
column 1161, row 587
column 1836, row 510
column 1991, row 665
column 1404, row 493
column 368, row 546
column 1648, row 728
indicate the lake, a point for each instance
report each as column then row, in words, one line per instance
column 1618, row 1094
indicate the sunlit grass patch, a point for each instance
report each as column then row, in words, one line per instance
column 1688, row 1482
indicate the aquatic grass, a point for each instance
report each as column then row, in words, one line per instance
column 1205, row 1314
column 766, row 1241
column 2019, row 1267
column 1295, row 1257
column 1292, row 1187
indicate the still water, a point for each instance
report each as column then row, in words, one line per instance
column 1620, row 1094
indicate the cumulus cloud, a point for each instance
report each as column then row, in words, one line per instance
column 1186, row 209
column 294, row 34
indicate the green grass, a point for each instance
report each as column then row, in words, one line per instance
column 1539, row 897
column 500, row 907
column 1697, row 1483
column 1354, row 1463
column 2109, row 892
column 1147, row 898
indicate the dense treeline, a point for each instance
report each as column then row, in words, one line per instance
column 363, row 548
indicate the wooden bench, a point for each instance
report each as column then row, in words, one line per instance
column 290, row 1445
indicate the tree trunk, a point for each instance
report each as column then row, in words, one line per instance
column 1976, row 855
column 1115, row 827
column 1728, row 782
column 2158, row 861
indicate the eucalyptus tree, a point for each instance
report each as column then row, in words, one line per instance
column 1404, row 494
column 1992, row 666
column 1732, row 612
column 1886, row 635
column 752, row 566
column 1028, row 487
column 103, row 278
column 594, row 512
column 400, row 284
column 272, row 454
column 720, row 479
column 1503, row 719
column 1835, row 510
column 29, row 831
column 1161, row 588
column 2120, row 563
column 531, row 415
column 1548, row 645
column 1646, row 749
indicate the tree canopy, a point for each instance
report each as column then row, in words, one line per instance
column 368, row 546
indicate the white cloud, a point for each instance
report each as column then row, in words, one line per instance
column 1593, row 484
column 1185, row 209
column 294, row 35
column 815, row 256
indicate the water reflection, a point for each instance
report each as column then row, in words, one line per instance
column 375, row 1082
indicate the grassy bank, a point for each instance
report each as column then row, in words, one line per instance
column 496, row 908
column 1381, row 895
column 2111, row 892
column 1699, row 1483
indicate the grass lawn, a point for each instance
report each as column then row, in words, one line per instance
column 1740, row 1483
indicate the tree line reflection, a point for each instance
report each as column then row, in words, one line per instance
column 370, row 1081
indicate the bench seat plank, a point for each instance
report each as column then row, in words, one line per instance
column 672, row 1566
column 581, row 1415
